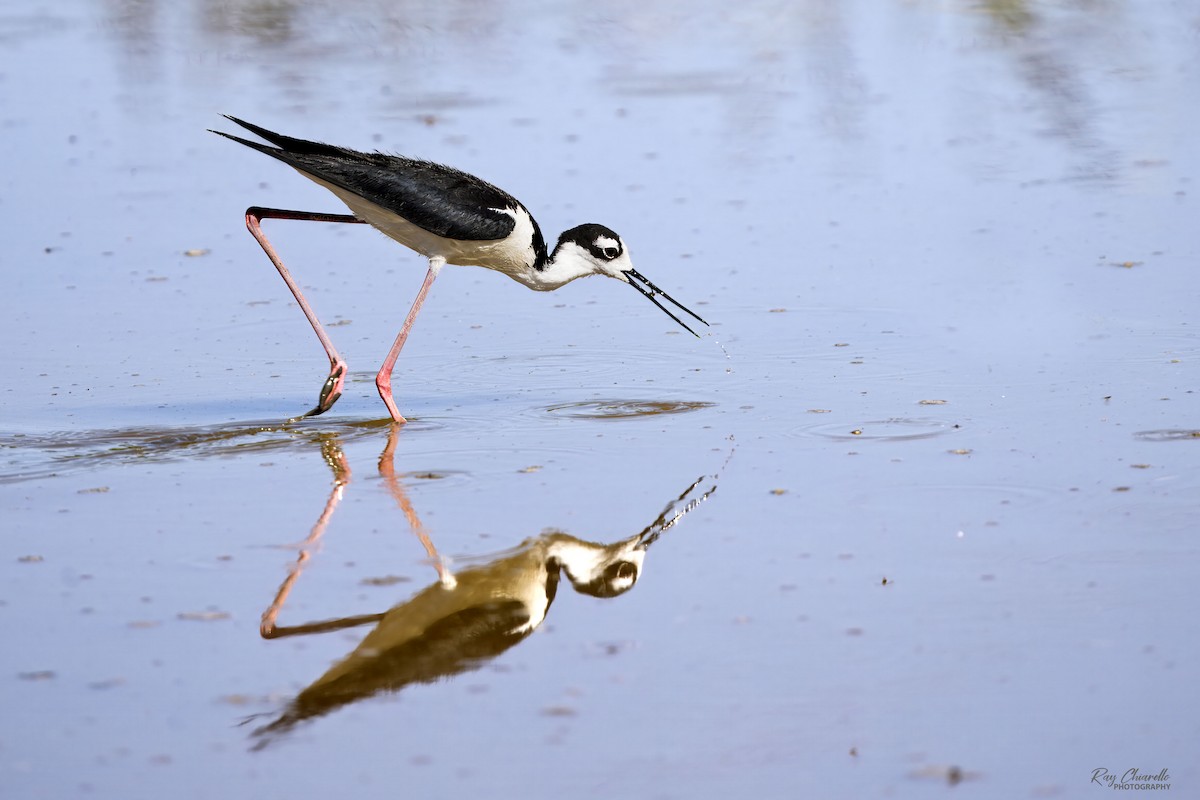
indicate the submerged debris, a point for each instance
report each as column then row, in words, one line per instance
column 386, row 580
column 559, row 711
column 950, row 773
column 203, row 616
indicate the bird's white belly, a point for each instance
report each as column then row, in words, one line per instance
column 511, row 255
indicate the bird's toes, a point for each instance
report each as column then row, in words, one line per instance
column 331, row 390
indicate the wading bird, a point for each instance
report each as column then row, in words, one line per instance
column 447, row 216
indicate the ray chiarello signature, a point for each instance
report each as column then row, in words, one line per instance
column 463, row 619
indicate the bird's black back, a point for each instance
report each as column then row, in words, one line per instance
column 440, row 199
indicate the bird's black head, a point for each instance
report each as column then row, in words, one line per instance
column 606, row 254
column 601, row 243
column 616, row 578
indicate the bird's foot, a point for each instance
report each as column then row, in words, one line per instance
column 383, row 382
column 331, row 391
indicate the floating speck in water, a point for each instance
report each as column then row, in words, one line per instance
column 951, row 774
column 203, row 616
column 386, row 580
column 559, row 711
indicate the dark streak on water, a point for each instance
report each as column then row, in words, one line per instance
column 32, row 456
column 625, row 409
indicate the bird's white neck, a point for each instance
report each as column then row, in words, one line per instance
column 591, row 567
column 564, row 265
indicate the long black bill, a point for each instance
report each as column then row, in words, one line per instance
column 651, row 291
column 669, row 516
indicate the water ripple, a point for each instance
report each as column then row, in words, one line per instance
column 895, row 429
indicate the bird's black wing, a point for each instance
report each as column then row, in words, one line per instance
column 440, row 199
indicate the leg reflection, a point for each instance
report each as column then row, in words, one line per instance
column 335, row 458
column 387, row 471
column 331, row 452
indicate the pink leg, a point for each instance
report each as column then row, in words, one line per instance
column 332, row 389
column 383, row 380
column 387, row 470
column 332, row 452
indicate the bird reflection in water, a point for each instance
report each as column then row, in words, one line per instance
column 466, row 617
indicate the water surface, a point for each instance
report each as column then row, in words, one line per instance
column 945, row 421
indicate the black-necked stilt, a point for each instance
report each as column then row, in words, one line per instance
column 467, row 617
column 447, row 216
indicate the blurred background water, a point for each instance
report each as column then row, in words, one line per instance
column 947, row 407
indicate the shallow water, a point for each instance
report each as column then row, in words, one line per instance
column 945, row 421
